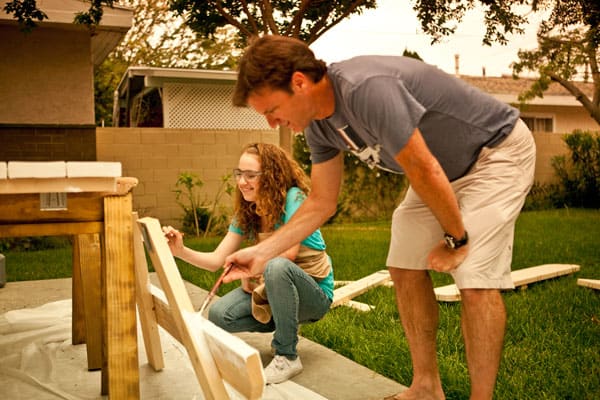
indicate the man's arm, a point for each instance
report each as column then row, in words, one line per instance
column 318, row 207
column 429, row 181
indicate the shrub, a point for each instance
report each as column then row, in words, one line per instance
column 366, row 194
column 579, row 172
column 200, row 215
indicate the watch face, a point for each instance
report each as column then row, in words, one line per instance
column 449, row 241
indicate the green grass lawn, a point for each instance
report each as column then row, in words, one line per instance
column 552, row 346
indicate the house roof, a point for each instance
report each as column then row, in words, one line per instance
column 152, row 77
column 507, row 89
column 115, row 22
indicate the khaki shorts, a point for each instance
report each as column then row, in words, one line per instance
column 490, row 197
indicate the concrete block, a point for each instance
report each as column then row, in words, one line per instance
column 93, row 169
column 37, row 169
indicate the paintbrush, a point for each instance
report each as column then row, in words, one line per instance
column 214, row 289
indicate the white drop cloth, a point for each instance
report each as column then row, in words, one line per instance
column 38, row 361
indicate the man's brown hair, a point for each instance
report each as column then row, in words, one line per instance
column 270, row 61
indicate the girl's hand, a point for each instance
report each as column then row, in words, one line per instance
column 174, row 240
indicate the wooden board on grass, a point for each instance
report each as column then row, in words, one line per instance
column 521, row 278
column 590, row 283
column 347, row 292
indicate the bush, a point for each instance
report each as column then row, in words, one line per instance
column 201, row 216
column 366, row 194
column 34, row 243
column 579, row 173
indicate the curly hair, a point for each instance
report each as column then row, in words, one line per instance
column 280, row 172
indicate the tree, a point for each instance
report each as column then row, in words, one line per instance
column 567, row 41
column 568, row 48
column 26, row 12
column 160, row 38
column 306, row 19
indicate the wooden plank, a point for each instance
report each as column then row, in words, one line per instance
column 239, row 363
column 50, row 229
column 58, row 185
column 121, row 375
column 179, row 302
column 24, row 208
column 96, row 169
column 359, row 306
column 356, row 288
column 87, row 255
column 521, row 278
column 164, row 314
column 589, row 283
column 145, row 302
column 37, row 169
column 529, row 275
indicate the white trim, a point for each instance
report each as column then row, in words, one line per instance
column 547, row 100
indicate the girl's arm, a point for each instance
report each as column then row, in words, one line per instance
column 210, row 261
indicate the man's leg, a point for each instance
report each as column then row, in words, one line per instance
column 483, row 326
column 419, row 314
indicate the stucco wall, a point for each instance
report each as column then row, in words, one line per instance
column 567, row 119
column 548, row 145
column 46, row 77
column 156, row 157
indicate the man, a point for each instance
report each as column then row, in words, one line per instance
column 469, row 160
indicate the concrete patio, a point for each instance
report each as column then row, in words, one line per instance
column 326, row 373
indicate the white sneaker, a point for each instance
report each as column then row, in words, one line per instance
column 281, row 369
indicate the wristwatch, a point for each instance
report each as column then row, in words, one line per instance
column 454, row 243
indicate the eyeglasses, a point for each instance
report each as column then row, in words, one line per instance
column 249, row 175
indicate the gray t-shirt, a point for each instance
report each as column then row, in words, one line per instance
column 380, row 100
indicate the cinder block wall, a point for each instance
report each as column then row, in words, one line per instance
column 156, row 157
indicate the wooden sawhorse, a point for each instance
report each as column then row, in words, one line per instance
column 98, row 216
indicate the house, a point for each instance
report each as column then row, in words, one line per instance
column 549, row 117
column 557, row 112
column 168, row 121
column 181, row 98
column 46, row 81
column 201, row 99
column 185, row 98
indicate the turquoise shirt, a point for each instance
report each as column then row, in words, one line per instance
column 315, row 240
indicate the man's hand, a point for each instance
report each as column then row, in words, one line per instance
column 443, row 259
column 247, row 264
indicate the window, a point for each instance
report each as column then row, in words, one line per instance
column 539, row 124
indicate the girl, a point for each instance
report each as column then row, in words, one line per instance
column 296, row 286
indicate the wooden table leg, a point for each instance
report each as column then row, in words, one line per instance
column 121, row 375
column 78, row 313
column 87, row 248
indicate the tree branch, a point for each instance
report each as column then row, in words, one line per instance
column 231, row 19
column 578, row 94
column 267, row 16
column 591, row 49
column 296, row 23
column 251, row 18
column 316, row 31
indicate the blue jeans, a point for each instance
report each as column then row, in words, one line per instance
column 294, row 297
